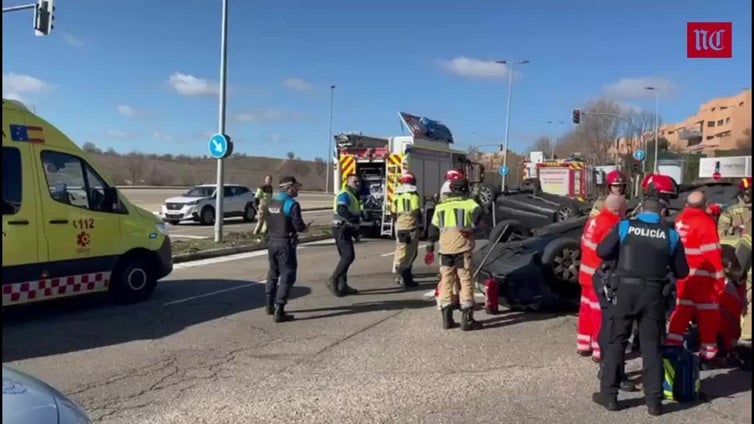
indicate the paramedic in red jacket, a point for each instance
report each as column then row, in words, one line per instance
column 590, row 315
column 698, row 294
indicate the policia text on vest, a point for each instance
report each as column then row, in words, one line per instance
column 645, row 251
column 346, row 219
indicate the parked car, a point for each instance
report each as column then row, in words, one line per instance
column 198, row 204
column 28, row 400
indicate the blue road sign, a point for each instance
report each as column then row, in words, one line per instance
column 218, row 146
column 503, row 170
column 640, row 154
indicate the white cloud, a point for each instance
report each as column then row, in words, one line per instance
column 162, row 136
column 298, row 84
column 475, row 68
column 127, row 110
column 274, row 138
column 189, row 85
column 71, row 40
column 264, row 115
column 123, row 135
column 15, row 86
column 635, row 88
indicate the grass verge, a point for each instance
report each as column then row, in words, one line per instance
column 235, row 239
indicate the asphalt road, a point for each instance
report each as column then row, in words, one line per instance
column 202, row 350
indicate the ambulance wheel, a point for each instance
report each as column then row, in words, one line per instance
column 132, row 280
column 249, row 213
column 207, row 216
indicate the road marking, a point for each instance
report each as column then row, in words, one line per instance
column 385, row 255
column 212, row 293
column 239, row 256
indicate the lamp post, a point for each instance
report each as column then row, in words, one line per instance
column 510, row 64
column 657, row 123
column 220, row 191
column 555, row 143
column 329, row 145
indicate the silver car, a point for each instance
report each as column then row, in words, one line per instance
column 27, row 400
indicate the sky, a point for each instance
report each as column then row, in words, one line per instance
column 132, row 76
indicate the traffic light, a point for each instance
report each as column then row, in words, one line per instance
column 636, row 167
column 577, row 116
column 44, row 17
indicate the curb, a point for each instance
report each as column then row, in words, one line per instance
column 226, row 251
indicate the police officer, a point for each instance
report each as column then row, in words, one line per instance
column 347, row 216
column 453, row 226
column 408, row 217
column 645, row 249
column 262, row 199
column 284, row 224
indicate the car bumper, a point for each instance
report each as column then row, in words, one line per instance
column 187, row 212
column 165, row 258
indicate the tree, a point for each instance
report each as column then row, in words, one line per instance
column 542, row 144
column 639, row 123
column 745, row 142
column 320, row 166
column 290, row 155
column 90, row 147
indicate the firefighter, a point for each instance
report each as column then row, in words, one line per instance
column 734, row 218
column 644, row 249
column 698, row 295
column 736, row 256
column 285, row 222
column 451, row 175
column 616, row 183
column 453, row 226
column 347, row 217
column 261, row 200
column 590, row 315
column 408, row 217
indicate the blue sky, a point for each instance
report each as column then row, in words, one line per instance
column 134, row 76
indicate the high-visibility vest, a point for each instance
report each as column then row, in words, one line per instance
column 407, row 202
column 353, row 205
column 454, row 213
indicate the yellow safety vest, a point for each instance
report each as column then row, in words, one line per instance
column 406, row 203
column 354, row 206
column 454, row 213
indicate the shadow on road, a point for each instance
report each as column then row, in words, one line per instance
column 360, row 308
column 508, row 318
column 91, row 322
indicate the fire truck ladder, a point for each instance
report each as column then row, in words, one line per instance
column 386, row 229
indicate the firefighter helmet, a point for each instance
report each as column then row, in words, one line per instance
column 744, row 184
column 407, row 178
column 459, row 185
column 659, row 186
column 615, row 177
column 453, row 174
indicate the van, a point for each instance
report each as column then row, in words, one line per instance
column 67, row 230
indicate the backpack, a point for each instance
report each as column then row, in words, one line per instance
column 682, row 382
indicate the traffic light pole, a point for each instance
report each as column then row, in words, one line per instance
column 19, row 7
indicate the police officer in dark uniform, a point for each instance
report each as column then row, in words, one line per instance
column 645, row 250
column 284, row 223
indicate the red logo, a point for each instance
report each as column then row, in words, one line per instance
column 709, row 40
column 82, row 239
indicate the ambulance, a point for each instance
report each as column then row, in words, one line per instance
column 572, row 178
column 67, row 230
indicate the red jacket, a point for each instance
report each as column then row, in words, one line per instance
column 702, row 245
column 595, row 230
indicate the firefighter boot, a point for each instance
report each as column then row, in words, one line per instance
column 447, row 317
column 467, row 320
column 408, row 280
column 280, row 315
column 270, row 304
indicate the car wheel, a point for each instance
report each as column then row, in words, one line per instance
column 207, row 216
column 249, row 213
column 485, row 196
column 565, row 212
column 562, row 257
column 514, row 230
column 174, row 222
column 132, row 280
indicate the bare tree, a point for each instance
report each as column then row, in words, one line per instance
column 639, row 123
column 596, row 134
column 542, row 144
column 473, row 153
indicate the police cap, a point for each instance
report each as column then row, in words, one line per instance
column 289, row 181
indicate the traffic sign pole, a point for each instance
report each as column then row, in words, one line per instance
column 219, row 213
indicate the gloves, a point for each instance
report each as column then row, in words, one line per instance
column 429, row 258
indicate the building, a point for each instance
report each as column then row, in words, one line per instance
column 719, row 124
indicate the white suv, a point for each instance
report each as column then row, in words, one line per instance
column 198, row 204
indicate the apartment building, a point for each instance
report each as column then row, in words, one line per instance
column 719, row 124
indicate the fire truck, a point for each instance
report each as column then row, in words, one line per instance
column 379, row 162
column 572, row 178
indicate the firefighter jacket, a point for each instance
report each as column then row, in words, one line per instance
column 734, row 218
column 263, row 196
column 702, row 245
column 407, row 209
column 453, row 225
column 594, row 231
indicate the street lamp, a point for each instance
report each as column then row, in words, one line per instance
column 555, row 143
column 510, row 64
column 329, row 145
column 657, row 122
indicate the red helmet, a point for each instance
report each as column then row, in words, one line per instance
column 744, row 184
column 615, row 178
column 453, row 174
column 657, row 185
column 407, row 178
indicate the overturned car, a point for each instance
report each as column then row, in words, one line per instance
column 537, row 268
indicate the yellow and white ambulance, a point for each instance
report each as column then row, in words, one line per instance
column 67, row 230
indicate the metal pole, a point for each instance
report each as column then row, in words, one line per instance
column 329, row 145
column 20, row 7
column 221, row 123
column 507, row 124
column 657, row 127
